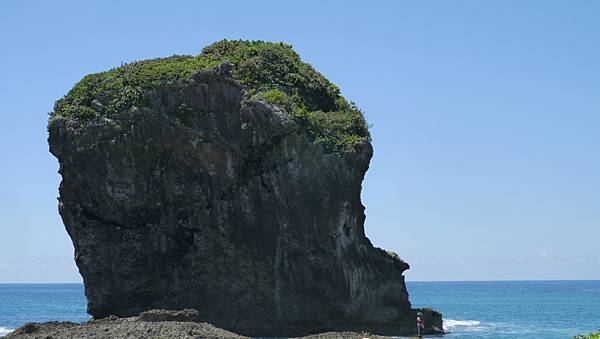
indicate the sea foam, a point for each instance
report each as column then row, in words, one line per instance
column 4, row 331
column 449, row 324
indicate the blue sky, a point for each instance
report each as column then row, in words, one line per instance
column 486, row 119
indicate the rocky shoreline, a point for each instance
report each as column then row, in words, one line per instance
column 149, row 324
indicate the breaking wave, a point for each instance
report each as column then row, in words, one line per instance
column 450, row 324
column 4, row 331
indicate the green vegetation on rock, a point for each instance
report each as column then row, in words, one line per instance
column 595, row 335
column 271, row 72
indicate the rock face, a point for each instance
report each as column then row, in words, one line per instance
column 225, row 206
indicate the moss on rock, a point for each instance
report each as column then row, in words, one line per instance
column 271, row 72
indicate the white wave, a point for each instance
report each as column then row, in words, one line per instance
column 450, row 324
column 4, row 331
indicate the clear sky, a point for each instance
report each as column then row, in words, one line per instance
column 486, row 119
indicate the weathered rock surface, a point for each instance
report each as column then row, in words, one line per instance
column 168, row 325
column 116, row 328
column 225, row 206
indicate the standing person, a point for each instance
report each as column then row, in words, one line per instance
column 420, row 324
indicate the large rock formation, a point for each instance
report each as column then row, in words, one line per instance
column 205, row 197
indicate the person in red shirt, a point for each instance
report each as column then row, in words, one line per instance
column 420, row 324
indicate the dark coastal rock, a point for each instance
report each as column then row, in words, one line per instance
column 187, row 315
column 140, row 327
column 120, row 328
column 204, row 198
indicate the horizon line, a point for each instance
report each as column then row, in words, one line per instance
column 407, row 281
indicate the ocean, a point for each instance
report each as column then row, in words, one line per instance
column 500, row 309
column 512, row 309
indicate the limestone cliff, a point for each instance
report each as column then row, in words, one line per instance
column 239, row 199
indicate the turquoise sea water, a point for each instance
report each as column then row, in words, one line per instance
column 512, row 309
column 508, row 309
column 23, row 303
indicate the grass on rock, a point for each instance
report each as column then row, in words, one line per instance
column 271, row 72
